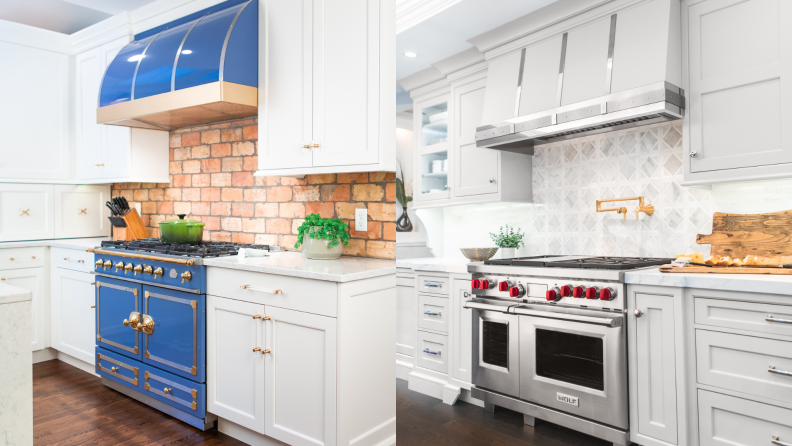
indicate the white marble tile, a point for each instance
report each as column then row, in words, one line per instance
column 16, row 373
column 294, row 264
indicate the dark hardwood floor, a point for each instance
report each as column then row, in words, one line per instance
column 71, row 407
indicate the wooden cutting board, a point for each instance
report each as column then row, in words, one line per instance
column 739, row 235
column 725, row 270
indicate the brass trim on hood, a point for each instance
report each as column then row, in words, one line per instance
column 217, row 101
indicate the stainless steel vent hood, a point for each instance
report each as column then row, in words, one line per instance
column 199, row 69
column 614, row 72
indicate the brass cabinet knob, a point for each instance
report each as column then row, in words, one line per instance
column 12, row 259
column 167, row 390
column 306, row 146
column 2, row 278
column 257, row 349
column 266, row 318
column 137, row 269
column 186, row 276
column 315, row 145
column 128, row 267
column 258, row 316
column 147, row 269
column 114, row 369
column 93, row 306
column 265, row 352
column 158, row 272
column 133, row 321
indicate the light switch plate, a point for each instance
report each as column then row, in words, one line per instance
column 361, row 220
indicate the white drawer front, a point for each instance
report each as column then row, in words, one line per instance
column 433, row 284
column 729, row 421
column 80, row 211
column 310, row 296
column 433, row 312
column 13, row 258
column 74, row 259
column 433, row 351
column 745, row 364
column 26, row 212
column 763, row 318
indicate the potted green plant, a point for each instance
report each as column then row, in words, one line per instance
column 322, row 238
column 508, row 240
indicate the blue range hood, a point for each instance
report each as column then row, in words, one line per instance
column 200, row 69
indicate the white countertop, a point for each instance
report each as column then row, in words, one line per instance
column 10, row 294
column 294, row 264
column 435, row 264
column 67, row 243
column 755, row 283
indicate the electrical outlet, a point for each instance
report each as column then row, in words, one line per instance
column 361, row 220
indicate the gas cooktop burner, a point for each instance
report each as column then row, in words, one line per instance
column 619, row 263
column 155, row 245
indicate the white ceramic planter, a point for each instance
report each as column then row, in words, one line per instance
column 316, row 248
column 508, row 253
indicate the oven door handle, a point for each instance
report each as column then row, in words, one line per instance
column 485, row 306
column 611, row 322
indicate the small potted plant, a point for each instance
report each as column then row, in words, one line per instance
column 508, row 240
column 322, row 238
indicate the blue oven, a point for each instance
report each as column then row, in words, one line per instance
column 151, row 330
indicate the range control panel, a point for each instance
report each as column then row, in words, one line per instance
column 584, row 293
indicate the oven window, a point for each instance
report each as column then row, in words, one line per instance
column 570, row 358
column 495, row 343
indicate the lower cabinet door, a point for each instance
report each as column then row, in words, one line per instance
column 117, row 307
column 72, row 319
column 32, row 279
column 461, row 331
column 728, row 421
column 300, row 378
column 235, row 369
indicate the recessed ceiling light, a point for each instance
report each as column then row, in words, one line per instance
column 410, row 54
column 187, row 52
column 135, row 58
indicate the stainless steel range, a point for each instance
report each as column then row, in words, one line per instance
column 549, row 339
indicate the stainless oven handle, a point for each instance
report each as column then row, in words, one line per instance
column 605, row 321
column 485, row 306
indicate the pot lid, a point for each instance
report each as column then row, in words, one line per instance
column 182, row 221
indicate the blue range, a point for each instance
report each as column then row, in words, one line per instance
column 151, row 323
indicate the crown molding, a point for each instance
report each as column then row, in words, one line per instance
column 412, row 12
column 33, row 37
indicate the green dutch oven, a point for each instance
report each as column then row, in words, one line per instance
column 181, row 231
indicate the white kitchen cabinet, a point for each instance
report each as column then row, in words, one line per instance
column 26, row 212
column 106, row 153
column 325, row 87
column 449, row 168
column 300, row 378
column 33, row 280
column 235, row 368
column 461, row 331
column 737, row 75
column 653, row 362
column 406, row 322
column 34, row 115
column 80, row 211
column 72, row 315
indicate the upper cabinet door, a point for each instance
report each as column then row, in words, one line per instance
column 116, row 143
column 26, row 212
column 346, row 82
column 80, row 211
column 88, row 134
column 739, row 71
column 285, row 84
column 34, row 119
column 475, row 169
column 586, row 62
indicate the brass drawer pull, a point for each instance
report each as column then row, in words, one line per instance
column 93, row 306
column 258, row 316
column 167, row 390
column 83, row 211
column 114, row 369
column 257, row 349
column 2, row 278
column 24, row 212
column 264, row 352
column 263, row 290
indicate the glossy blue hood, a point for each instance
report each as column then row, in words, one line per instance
column 201, row 57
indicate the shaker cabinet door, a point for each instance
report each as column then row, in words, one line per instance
column 461, row 331
column 300, row 378
column 72, row 315
column 476, row 169
column 235, row 369
column 26, row 212
column 88, row 134
column 80, row 211
column 32, row 279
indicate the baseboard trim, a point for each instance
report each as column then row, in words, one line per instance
column 382, row 435
column 49, row 354
column 246, row 435
column 403, row 367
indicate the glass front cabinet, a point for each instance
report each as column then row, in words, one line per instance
column 432, row 144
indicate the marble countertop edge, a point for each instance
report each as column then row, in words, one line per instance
column 74, row 243
column 11, row 294
column 769, row 284
column 435, row 264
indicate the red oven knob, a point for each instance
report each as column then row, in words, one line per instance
column 566, row 291
column 607, row 293
column 475, row 284
column 578, row 291
column 592, row 292
column 485, row 284
column 503, row 286
column 516, row 291
column 553, row 295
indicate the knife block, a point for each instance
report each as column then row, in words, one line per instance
column 135, row 229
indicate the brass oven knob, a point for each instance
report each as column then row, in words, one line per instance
column 138, row 269
column 147, row 269
column 119, row 266
column 108, row 264
column 99, row 263
column 186, row 276
column 128, row 267
column 158, row 272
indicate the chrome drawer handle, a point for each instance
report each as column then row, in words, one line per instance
column 68, row 259
column 433, row 284
column 772, row 369
column 426, row 350
column 263, row 290
column 431, row 313
column 776, row 440
column 770, row 318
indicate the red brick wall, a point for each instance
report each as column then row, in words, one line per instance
column 211, row 172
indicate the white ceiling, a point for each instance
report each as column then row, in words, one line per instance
column 64, row 16
column 446, row 32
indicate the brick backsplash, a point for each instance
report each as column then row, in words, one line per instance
column 211, row 171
